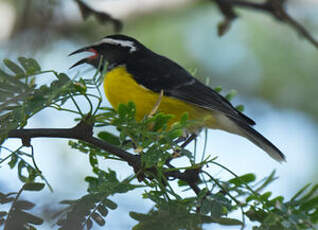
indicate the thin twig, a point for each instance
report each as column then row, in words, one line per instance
column 39, row 171
column 12, row 209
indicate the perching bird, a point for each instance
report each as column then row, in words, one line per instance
column 135, row 73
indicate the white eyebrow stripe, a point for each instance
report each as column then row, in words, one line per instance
column 122, row 43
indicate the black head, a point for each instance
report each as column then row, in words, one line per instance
column 114, row 49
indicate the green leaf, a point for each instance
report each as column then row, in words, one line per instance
column 14, row 160
column 312, row 191
column 63, row 78
column 187, row 153
column 252, row 197
column 31, row 218
column 80, row 86
column 182, row 183
column 30, row 65
column 93, row 160
column 33, row 186
column 152, row 156
column 265, row 196
column 310, row 204
column 67, row 202
column 203, row 193
column 218, row 89
column 21, row 166
column 160, row 121
column 24, row 204
column 138, row 216
column 13, row 67
column 245, row 179
column 216, row 204
column 256, row 215
column 231, row 94
column 108, row 137
column 240, row 108
column 273, row 202
column 221, row 220
column 175, row 133
column 267, row 181
column 13, row 80
column 127, row 112
column 314, row 216
column 93, row 183
column 184, row 118
column 5, row 198
column 98, row 219
column 110, row 204
column 301, row 191
column 175, row 215
column 102, row 210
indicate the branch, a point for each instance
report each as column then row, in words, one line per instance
column 273, row 7
column 84, row 132
column 102, row 17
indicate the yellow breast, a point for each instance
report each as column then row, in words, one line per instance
column 120, row 88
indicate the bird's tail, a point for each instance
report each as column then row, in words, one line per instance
column 261, row 141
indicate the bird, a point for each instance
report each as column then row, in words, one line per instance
column 136, row 73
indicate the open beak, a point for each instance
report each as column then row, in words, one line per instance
column 88, row 60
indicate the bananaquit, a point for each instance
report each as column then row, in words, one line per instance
column 135, row 73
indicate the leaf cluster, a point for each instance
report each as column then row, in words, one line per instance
column 156, row 145
column 18, row 216
column 177, row 215
column 94, row 206
column 21, row 97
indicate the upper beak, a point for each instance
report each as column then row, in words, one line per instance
column 84, row 60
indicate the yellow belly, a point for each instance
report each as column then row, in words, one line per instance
column 120, row 88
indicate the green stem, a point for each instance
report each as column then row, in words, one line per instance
column 76, row 105
column 39, row 171
column 205, row 143
column 12, row 208
column 230, row 195
column 90, row 104
column 57, row 107
column 7, row 157
column 235, row 175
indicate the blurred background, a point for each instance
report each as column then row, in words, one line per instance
column 274, row 70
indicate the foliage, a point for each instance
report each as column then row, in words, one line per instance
column 95, row 205
column 151, row 148
column 21, row 98
column 18, row 217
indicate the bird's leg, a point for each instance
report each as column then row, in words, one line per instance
column 156, row 106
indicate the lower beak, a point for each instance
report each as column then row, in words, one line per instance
column 84, row 60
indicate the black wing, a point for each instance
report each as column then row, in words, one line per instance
column 158, row 73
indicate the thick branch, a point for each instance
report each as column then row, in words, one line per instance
column 273, row 7
column 80, row 132
column 83, row 132
column 251, row 5
column 102, row 17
